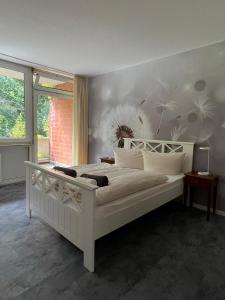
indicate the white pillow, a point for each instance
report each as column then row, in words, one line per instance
column 163, row 163
column 128, row 158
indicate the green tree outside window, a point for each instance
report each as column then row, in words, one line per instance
column 12, row 109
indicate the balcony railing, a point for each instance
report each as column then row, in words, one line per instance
column 43, row 149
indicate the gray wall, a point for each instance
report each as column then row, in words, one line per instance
column 181, row 97
column 12, row 164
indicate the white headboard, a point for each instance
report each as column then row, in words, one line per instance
column 164, row 147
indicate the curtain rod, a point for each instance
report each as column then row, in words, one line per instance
column 35, row 65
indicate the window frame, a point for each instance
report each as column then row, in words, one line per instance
column 55, row 91
column 61, row 94
column 28, row 83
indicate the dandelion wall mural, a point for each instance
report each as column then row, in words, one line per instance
column 125, row 120
column 181, row 97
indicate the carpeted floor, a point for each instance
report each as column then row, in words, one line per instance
column 171, row 253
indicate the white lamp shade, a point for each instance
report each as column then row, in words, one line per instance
column 207, row 171
column 204, row 148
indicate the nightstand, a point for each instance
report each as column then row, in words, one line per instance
column 192, row 180
column 109, row 160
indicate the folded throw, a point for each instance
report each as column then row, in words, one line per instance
column 66, row 171
column 101, row 180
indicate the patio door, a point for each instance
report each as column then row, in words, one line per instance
column 53, row 130
column 53, row 123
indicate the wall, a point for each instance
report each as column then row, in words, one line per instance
column 61, row 130
column 12, row 160
column 181, row 97
column 61, row 127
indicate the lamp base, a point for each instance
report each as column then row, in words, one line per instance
column 203, row 173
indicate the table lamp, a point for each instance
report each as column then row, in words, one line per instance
column 207, row 171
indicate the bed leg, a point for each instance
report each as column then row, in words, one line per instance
column 88, row 209
column 89, row 257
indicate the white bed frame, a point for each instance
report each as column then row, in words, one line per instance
column 78, row 221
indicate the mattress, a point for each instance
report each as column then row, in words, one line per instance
column 174, row 182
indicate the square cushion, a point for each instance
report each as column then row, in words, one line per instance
column 128, row 158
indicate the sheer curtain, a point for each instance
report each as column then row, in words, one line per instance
column 81, row 120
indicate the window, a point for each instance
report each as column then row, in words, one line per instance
column 15, row 99
column 50, row 82
column 53, row 118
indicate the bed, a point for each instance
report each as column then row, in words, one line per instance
column 71, row 207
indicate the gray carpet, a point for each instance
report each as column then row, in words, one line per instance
column 171, row 253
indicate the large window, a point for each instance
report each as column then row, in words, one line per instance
column 15, row 99
column 53, row 118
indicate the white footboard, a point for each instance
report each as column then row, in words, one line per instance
column 65, row 204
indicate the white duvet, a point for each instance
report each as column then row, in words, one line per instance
column 122, row 181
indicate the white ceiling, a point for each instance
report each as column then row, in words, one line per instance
column 97, row 36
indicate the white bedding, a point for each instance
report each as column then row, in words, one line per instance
column 173, row 182
column 122, row 181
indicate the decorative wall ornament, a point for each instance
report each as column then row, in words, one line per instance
column 192, row 117
column 122, row 132
column 162, row 108
column 200, row 85
column 205, row 107
column 125, row 120
column 177, row 132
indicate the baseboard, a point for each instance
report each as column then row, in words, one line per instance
column 11, row 180
column 203, row 207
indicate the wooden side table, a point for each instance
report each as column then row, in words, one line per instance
column 109, row 160
column 193, row 180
